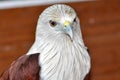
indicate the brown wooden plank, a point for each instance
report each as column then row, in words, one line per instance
column 98, row 12
column 105, row 61
column 105, row 55
column 100, row 23
column 105, row 40
column 102, row 29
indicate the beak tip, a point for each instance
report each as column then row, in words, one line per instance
column 69, row 32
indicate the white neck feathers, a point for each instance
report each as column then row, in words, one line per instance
column 61, row 59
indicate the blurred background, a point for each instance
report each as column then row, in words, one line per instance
column 100, row 24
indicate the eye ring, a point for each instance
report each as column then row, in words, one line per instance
column 52, row 23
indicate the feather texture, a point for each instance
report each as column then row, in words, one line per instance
column 60, row 58
column 24, row 68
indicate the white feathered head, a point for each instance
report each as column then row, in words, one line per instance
column 60, row 20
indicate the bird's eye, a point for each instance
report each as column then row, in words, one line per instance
column 52, row 23
column 74, row 19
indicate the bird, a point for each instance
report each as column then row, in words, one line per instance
column 58, row 52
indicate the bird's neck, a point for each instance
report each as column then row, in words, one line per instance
column 62, row 59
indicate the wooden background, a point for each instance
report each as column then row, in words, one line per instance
column 100, row 23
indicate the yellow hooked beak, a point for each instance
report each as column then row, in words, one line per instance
column 67, row 29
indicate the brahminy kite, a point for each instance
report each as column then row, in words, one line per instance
column 58, row 52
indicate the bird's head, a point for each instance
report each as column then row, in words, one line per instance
column 58, row 20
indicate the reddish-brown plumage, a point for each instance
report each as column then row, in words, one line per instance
column 24, row 68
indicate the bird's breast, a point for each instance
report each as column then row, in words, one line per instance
column 64, row 62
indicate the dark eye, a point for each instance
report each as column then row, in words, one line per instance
column 52, row 23
column 74, row 19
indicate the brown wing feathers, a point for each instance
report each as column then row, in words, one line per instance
column 24, row 68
